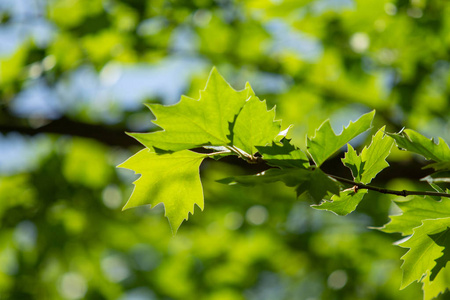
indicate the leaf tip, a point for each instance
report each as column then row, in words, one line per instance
column 214, row 74
column 174, row 229
column 127, row 205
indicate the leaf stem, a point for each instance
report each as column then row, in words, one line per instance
column 244, row 155
column 403, row 193
column 218, row 152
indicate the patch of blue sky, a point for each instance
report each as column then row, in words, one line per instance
column 41, row 31
column 435, row 128
column 322, row 6
column 103, row 96
column 152, row 26
column 261, row 82
column 11, row 37
column 166, row 80
column 139, row 293
column 286, row 39
column 22, row 8
column 22, row 154
column 125, row 87
column 270, row 286
column 184, row 40
column 269, row 83
column 26, row 21
column 37, row 100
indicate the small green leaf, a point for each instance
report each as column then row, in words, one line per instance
column 412, row 141
column 255, row 126
column 325, row 142
column 191, row 123
column 284, row 156
column 416, row 210
column 344, row 203
column 372, row 159
column 423, row 250
column 172, row 179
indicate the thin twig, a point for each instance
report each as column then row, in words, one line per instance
column 403, row 193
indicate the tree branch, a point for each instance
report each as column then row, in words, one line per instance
column 403, row 193
column 107, row 135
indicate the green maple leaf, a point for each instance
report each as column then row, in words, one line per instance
column 372, row 159
column 255, row 126
column 314, row 184
column 416, row 210
column 432, row 288
column 364, row 167
column 285, row 155
column 172, row 179
column 325, row 142
column 442, row 239
column 192, row 123
column 423, row 250
column 223, row 120
column 344, row 203
column 414, row 142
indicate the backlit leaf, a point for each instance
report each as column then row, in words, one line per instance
column 172, row 179
column 372, row 159
column 284, row 156
column 412, row 141
column 423, row 250
column 192, row 123
column 325, row 142
column 432, row 288
column 415, row 211
column 344, row 203
column 255, row 126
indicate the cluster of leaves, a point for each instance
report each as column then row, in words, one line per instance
column 228, row 122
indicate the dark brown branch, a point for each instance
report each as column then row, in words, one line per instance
column 403, row 193
column 65, row 126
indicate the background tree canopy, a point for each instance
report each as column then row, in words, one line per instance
column 74, row 75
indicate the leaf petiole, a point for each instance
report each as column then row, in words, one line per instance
column 218, row 152
column 241, row 153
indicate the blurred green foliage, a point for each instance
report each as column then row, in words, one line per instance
column 63, row 234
